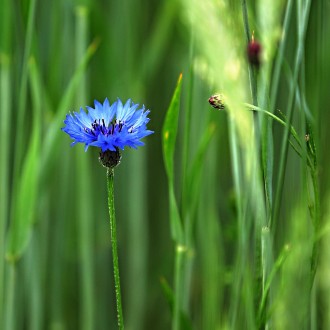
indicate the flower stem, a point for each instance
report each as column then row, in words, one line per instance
column 111, row 205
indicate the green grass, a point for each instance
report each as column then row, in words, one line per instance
column 222, row 217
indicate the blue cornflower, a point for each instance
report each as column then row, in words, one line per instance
column 108, row 126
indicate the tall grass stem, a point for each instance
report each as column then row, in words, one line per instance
column 178, row 285
column 260, row 268
column 186, row 206
column 280, row 56
column 290, row 106
column 84, row 208
column 252, row 71
column 5, row 117
column 10, row 294
column 19, row 144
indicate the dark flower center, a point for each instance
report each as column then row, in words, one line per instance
column 99, row 127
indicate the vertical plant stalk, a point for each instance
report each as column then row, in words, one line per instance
column 178, row 285
column 5, row 117
column 111, row 205
column 315, row 251
column 186, row 207
column 5, row 141
column 84, row 209
column 320, row 51
column 10, row 294
column 252, row 72
column 169, row 136
column 289, row 114
column 260, row 262
column 19, row 144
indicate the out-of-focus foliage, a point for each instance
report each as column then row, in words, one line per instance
column 253, row 215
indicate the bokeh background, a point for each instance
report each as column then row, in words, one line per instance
column 55, row 255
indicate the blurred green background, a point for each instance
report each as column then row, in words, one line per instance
column 55, row 255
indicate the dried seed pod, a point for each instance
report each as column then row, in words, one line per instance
column 217, row 101
column 254, row 53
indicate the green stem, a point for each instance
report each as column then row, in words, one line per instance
column 10, row 297
column 280, row 56
column 187, row 125
column 252, row 75
column 293, row 132
column 260, row 271
column 186, row 207
column 84, row 209
column 19, row 145
column 5, row 117
column 6, row 92
column 290, row 106
column 279, row 120
column 315, row 251
column 111, row 205
column 276, row 268
column 252, row 71
column 178, row 272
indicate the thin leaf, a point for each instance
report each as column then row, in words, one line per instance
column 27, row 192
column 169, row 295
column 169, row 134
column 276, row 267
column 195, row 172
column 50, row 147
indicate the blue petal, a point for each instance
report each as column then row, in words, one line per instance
column 120, row 110
column 125, row 125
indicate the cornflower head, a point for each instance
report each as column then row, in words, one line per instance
column 110, row 127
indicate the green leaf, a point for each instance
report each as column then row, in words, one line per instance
column 195, row 173
column 169, row 295
column 268, row 159
column 169, row 134
column 50, row 145
column 275, row 269
column 170, row 129
column 27, row 191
